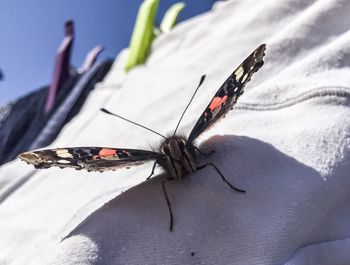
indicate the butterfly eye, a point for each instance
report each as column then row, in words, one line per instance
column 182, row 144
column 165, row 150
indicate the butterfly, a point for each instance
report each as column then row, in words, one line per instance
column 176, row 154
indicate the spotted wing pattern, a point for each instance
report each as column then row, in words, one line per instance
column 89, row 158
column 226, row 97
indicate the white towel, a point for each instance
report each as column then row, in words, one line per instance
column 286, row 143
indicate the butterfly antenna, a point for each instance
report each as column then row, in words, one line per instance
column 189, row 103
column 135, row 123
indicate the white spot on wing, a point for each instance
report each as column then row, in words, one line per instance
column 239, row 72
column 63, row 153
column 62, row 161
column 244, row 77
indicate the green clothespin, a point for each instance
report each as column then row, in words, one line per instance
column 145, row 30
column 143, row 34
column 170, row 17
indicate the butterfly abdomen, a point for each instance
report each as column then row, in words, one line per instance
column 179, row 157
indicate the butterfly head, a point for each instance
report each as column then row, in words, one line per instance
column 179, row 157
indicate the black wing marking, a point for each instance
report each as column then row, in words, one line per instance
column 226, row 97
column 89, row 158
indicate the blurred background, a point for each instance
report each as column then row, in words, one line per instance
column 32, row 30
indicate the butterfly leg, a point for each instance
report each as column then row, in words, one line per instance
column 203, row 153
column 221, row 175
column 153, row 168
column 168, row 204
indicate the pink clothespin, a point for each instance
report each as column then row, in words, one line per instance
column 62, row 62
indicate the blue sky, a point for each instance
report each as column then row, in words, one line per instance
column 31, row 31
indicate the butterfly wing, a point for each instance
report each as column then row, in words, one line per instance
column 89, row 158
column 226, row 97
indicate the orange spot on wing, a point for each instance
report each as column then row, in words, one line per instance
column 217, row 102
column 107, row 152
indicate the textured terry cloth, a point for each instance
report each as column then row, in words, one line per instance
column 286, row 143
column 24, row 119
column 24, row 125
